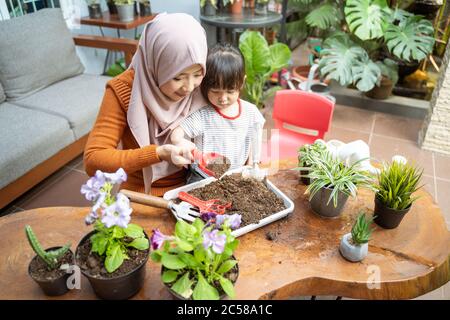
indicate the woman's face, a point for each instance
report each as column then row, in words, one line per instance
column 183, row 83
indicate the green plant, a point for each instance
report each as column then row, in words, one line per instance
column 308, row 153
column 197, row 257
column 51, row 257
column 123, row 2
column 261, row 61
column 396, row 184
column 212, row 2
column 376, row 31
column 361, row 229
column 329, row 172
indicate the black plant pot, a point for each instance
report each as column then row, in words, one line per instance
column 223, row 296
column 95, row 11
column 145, row 9
column 119, row 288
column 112, row 7
column 55, row 287
column 305, row 180
column 319, row 203
column 386, row 217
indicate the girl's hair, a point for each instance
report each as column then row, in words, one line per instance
column 225, row 69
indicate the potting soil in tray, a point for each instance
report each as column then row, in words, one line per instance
column 94, row 264
column 219, row 166
column 249, row 197
column 40, row 271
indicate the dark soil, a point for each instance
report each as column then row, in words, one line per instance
column 249, row 197
column 219, row 166
column 39, row 269
column 93, row 264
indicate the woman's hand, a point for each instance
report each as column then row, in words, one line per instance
column 177, row 155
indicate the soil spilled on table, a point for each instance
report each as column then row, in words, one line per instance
column 219, row 166
column 249, row 197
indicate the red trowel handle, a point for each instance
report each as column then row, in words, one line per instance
column 203, row 159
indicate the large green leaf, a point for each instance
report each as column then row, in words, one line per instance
column 171, row 261
column 410, row 40
column 366, row 74
column 183, row 286
column 280, row 54
column 134, row 231
column 367, row 18
column 256, row 54
column 389, row 69
column 204, row 291
column 323, row 17
column 114, row 259
column 337, row 61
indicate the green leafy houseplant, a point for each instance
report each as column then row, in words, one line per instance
column 198, row 258
column 354, row 246
column 361, row 229
column 261, row 61
column 375, row 32
column 396, row 184
column 211, row 2
column 123, row 2
column 308, row 153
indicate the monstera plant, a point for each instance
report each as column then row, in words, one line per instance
column 376, row 32
column 261, row 60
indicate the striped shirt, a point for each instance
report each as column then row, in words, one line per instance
column 229, row 136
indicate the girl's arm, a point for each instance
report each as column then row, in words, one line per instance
column 178, row 139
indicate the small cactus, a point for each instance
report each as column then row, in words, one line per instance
column 52, row 257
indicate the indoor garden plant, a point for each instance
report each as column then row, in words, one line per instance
column 261, row 7
column 48, row 267
column 332, row 181
column 125, row 10
column 375, row 32
column 354, row 246
column 261, row 61
column 396, row 184
column 197, row 261
column 95, row 10
column 306, row 156
column 112, row 256
column 208, row 7
column 145, row 8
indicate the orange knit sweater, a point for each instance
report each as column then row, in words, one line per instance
column 111, row 128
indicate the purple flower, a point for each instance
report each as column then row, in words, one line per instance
column 206, row 216
column 157, row 239
column 234, row 221
column 118, row 213
column 91, row 217
column 91, row 189
column 118, row 177
column 214, row 239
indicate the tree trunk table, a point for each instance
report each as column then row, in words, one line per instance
column 302, row 259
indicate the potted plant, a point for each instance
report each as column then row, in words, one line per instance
column 208, row 7
column 112, row 256
column 250, row 4
column 236, row 6
column 385, row 84
column 261, row 61
column 111, row 6
column 332, row 180
column 95, row 10
column 48, row 267
column 394, row 197
column 261, row 7
column 197, row 261
column 375, row 32
column 355, row 245
column 145, row 8
column 125, row 9
column 306, row 158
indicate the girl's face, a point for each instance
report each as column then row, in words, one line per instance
column 222, row 98
column 183, row 83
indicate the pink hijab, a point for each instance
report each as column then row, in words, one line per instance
column 169, row 44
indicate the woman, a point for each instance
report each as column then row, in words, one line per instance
column 144, row 104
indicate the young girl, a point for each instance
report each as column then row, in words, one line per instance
column 228, row 124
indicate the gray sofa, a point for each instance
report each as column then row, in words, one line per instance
column 47, row 103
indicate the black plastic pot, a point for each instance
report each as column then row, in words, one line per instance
column 119, row 288
column 319, row 203
column 95, row 11
column 112, row 7
column 55, row 287
column 145, row 9
column 386, row 217
column 179, row 297
column 305, row 180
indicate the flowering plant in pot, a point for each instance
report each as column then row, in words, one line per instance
column 48, row 267
column 332, row 180
column 355, row 245
column 396, row 184
column 112, row 256
column 197, row 261
column 306, row 158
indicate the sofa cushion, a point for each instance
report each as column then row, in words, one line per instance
column 29, row 137
column 2, row 94
column 77, row 99
column 36, row 50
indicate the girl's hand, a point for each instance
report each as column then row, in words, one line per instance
column 186, row 144
column 175, row 154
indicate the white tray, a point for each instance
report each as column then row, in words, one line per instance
column 173, row 194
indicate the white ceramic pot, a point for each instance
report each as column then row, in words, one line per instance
column 126, row 12
column 352, row 252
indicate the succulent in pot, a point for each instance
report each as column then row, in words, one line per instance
column 113, row 256
column 197, row 261
column 48, row 267
column 332, row 181
column 395, row 186
column 354, row 246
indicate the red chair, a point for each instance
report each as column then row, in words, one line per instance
column 301, row 117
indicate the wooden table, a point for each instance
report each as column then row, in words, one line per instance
column 303, row 260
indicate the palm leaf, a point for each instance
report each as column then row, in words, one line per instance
column 367, row 18
column 366, row 74
column 323, row 17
